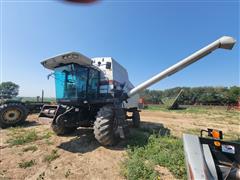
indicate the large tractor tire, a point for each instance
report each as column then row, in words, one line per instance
column 136, row 119
column 12, row 114
column 105, row 126
column 59, row 128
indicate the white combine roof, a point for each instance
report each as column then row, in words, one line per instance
column 66, row 58
column 113, row 77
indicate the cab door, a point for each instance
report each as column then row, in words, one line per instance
column 93, row 84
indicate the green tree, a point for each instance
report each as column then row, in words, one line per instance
column 8, row 89
column 233, row 94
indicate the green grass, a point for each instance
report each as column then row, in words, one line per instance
column 146, row 151
column 23, row 138
column 222, row 110
column 26, row 164
column 50, row 157
column 157, row 108
column 48, row 142
column 194, row 131
column 30, row 148
column 20, row 136
column 47, row 135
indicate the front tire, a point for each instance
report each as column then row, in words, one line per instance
column 105, row 126
column 136, row 118
column 12, row 114
column 59, row 128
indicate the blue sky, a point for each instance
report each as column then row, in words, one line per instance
column 144, row 36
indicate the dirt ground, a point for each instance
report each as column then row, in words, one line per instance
column 192, row 123
column 80, row 155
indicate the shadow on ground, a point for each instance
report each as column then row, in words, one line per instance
column 84, row 140
column 36, row 122
column 29, row 123
column 236, row 141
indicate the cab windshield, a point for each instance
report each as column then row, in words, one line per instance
column 72, row 82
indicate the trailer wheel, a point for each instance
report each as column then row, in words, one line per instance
column 12, row 114
column 59, row 128
column 105, row 126
column 136, row 118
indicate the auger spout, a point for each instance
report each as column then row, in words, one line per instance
column 225, row 42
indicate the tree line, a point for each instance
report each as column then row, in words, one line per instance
column 195, row 95
column 190, row 96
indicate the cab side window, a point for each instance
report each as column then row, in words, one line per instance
column 93, row 83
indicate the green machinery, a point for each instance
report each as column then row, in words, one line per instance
column 14, row 111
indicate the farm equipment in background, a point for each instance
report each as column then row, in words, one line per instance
column 142, row 104
column 211, row 158
column 234, row 106
column 14, row 111
column 97, row 92
column 175, row 102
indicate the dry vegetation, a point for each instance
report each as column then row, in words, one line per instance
column 193, row 119
column 34, row 152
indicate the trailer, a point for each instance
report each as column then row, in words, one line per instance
column 211, row 158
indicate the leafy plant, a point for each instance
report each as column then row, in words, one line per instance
column 50, row 157
column 30, row 148
column 26, row 164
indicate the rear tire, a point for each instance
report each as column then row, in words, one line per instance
column 59, row 128
column 136, row 118
column 12, row 114
column 105, row 126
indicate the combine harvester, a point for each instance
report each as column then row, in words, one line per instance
column 97, row 93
